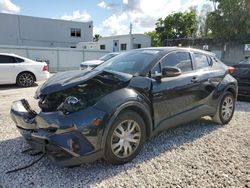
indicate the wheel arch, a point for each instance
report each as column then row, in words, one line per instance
column 26, row 72
column 142, row 109
column 232, row 90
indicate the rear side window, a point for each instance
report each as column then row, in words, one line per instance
column 201, row 61
column 19, row 60
column 7, row 59
column 182, row 60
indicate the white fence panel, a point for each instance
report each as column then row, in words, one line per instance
column 12, row 50
column 45, row 54
column 60, row 59
column 93, row 54
column 70, row 60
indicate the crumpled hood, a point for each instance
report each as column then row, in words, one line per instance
column 65, row 80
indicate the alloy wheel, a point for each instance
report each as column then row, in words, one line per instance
column 26, row 79
column 227, row 108
column 126, row 138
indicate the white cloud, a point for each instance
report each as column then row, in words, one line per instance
column 113, row 25
column 143, row 14
column 77, row 16
column 103, row 5
column 6, row 6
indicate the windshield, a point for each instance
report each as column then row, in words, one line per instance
column 133, row 62
column 107, row 57
column 246, row 61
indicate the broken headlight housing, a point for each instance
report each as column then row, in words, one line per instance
column 71, row 104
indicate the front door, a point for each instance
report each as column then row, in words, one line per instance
column 115, row 45
column 174, row 95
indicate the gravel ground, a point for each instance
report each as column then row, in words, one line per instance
column 199, row 154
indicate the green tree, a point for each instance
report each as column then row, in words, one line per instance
column 177, row 25
column 230, row 20
column 155, row 40
column 96, row 37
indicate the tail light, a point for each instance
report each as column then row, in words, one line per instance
column 231, row 70
column 45, row 68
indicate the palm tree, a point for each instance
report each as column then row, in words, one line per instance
column 96, row 37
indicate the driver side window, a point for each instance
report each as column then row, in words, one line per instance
column 182, row 60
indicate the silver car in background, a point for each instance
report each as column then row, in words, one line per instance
column 94, row 63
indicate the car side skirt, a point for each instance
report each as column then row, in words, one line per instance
column 184, row 117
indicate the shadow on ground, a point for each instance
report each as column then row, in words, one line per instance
column 14, row 86
column 92, row 173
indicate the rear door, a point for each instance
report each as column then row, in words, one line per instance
column 174, row 95
column 8, row 69
column 209, row 75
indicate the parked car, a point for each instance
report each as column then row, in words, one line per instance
column 94, row 63
column 242, row 74
column 22, row 71
column 109, row 112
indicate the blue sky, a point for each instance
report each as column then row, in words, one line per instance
column 110, row 17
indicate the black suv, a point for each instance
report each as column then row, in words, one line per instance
column 110, row 111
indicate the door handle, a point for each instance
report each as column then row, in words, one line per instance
column 194, row 79
column 158, row 95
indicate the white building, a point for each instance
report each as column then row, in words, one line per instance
column 44, row 32
column 118, row 43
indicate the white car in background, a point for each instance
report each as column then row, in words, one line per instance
column 94, row 63
column 22, row 71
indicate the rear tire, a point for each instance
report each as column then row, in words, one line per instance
column 125, row 138
column 25, row 79
column 225, row 109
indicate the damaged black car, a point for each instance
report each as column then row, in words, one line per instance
column 109, row 112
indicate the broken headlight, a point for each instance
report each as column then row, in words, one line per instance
column 71, row 104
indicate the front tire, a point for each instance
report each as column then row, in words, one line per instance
column 125, row 138
column 225, row 109
column 25, row 79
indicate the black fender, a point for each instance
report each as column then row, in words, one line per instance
column 126, row 98
column 228, row 83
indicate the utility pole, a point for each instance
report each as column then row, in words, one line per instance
column 131, row 36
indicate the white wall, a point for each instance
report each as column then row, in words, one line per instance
column 44, row 32
column 60, row 59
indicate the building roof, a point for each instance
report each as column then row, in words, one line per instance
column 126, row 35
column 18, row 15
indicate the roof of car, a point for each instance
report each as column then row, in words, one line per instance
column 7, row 54
column 170, row 49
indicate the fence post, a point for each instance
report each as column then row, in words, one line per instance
column 83, row 55
column 58, row 60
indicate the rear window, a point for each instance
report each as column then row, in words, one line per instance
column 201, row 61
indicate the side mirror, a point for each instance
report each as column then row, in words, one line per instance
column 170, row 71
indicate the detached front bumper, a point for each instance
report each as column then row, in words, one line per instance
column 67, row 145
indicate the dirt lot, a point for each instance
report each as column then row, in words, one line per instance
column 199, row 154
